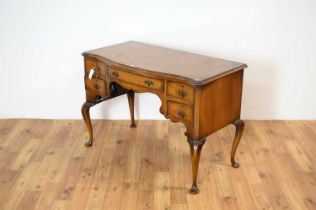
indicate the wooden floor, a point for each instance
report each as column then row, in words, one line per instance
column 44, row 165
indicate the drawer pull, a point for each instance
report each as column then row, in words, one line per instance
column 91, row 72
column 182, row 93
column 148, row 83
column 181, row 114
column 115, row 74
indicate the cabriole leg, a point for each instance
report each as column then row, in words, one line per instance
column 130, row 97
column 86, row 117
column 195, row 150
column 238, row 134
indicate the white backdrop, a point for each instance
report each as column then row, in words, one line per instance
column 41, row 68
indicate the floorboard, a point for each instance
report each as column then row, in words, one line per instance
column 45, row 165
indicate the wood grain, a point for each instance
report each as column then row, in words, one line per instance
column 220, row 103
column 44, row 165
column 135, row 79
column 148, row 58
column 180, row 91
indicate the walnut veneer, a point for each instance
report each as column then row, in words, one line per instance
column 204, row 93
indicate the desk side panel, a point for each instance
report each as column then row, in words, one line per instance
column 220, row 103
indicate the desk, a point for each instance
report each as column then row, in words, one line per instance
column 203, row 93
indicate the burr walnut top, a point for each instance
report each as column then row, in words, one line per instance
column 197, row 68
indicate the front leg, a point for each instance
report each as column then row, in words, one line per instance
column 238, row 134
column 86, row 116
column 195, row 150
column 130, row 97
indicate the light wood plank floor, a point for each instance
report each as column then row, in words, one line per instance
column 44, row 165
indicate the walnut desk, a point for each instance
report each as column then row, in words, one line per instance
column 204, row 93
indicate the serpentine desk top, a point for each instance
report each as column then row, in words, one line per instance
column 198, row 69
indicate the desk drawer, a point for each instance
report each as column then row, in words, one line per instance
column 95, row 66
column 180, row 111
column 135, row 79
column 96, row 87
column 181, row 91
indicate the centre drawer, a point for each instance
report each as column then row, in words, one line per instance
column 180, row 111
column 135, row 79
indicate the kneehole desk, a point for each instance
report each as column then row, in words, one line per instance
column 204, row 93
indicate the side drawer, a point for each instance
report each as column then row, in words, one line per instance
column 96, row 66
column 96, row 87
column 180, row 111
column 181, row 91
column 135, row 79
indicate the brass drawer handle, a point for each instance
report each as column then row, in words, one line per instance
column 148, row 83
column 91, row 72
column 181, row 114
column 115, row 74
column 182, row 93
